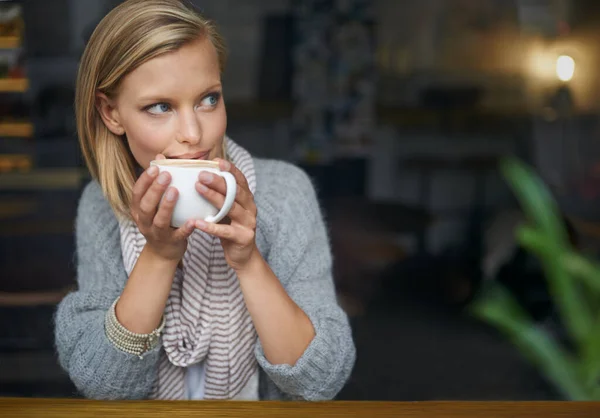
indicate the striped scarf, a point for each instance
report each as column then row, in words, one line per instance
column 206, row 317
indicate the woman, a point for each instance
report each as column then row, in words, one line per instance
column 244, row 309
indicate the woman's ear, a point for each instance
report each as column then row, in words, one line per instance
column 109, row 113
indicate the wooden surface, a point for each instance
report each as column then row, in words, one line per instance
column 44, row 179
column 12, row 162
column 16, row 129
column 51, row 408
column 9, row 42
column 21, row 299
column 15, row 85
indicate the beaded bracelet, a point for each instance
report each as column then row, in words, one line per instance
column 127, row 341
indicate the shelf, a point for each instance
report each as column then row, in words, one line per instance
column 10, row 42
column 21, row 299
column 36, row 228
column 11, row 162
column 14, row 85
column 17, row 207
column 45, row 179
column 16, row 129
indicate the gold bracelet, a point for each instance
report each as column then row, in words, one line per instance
column 127, row 341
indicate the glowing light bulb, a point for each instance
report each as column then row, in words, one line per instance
column 565, row 68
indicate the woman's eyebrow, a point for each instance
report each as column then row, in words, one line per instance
column 161, row 97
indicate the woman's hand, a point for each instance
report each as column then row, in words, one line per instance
column 237, row 236
column 284, row 329
column 152, row 214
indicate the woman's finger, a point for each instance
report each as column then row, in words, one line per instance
column 217, row 183
column 162, row 219
column 238, row 235
column 240, row 179
column 141, row 186
column 237, row 213
column 149, row 202
column 184, row 231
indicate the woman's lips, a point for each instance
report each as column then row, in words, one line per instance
column 192, row 156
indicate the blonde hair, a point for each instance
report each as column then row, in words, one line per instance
column 131, row 34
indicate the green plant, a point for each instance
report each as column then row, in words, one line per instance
column 574, row 285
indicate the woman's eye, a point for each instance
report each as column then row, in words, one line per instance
column 159, row 108
column 211, row 100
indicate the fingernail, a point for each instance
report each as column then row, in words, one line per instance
column 163, row 178
column 171, row 194
column 226, row 165
column 200, row 224
column 153, row 170
column 205, row 177
column 202, row 188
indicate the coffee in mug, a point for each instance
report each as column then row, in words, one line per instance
column 190, row 204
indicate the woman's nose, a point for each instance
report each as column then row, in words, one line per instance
column 190, row 129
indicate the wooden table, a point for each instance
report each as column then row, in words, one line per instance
column 58, row 408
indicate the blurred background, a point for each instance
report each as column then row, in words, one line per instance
column 399, row 110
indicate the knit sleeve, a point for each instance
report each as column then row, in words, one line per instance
column 299, row 255
column 96, row 367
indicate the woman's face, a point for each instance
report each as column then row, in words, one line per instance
column 171, row 105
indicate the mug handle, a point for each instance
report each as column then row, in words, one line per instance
column 229, row 197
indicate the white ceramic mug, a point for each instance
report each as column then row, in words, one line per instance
column 190, row 204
